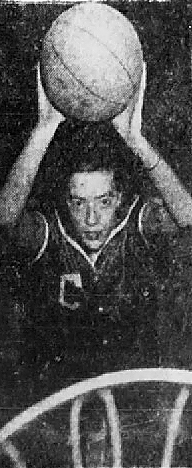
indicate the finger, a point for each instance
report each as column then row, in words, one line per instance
column 38, row 75
column 39, row 83
column 42, row 100
column 38, row 70
column 144, row 75
column 143, row 81
column 141, row 92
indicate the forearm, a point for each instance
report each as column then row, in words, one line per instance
column 172, row 191
column 19, row 183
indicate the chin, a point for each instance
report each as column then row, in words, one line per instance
column 93, row 246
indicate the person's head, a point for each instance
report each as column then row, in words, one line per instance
column 94, row 179
column 93, row 201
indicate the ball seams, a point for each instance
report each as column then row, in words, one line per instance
column 108, row 50
column 98, row 96
column 111, row 52
column 72, row 82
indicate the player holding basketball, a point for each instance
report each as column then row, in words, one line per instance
column 94, row 262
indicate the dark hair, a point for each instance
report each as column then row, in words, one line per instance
column 92, row 147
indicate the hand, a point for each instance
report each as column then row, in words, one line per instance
column 136, row 120
column 128, row 123
column 47, row 113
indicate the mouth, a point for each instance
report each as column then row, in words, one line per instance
column 92, row 236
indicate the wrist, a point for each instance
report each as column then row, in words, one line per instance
column 48, row 125
column 39, row 140
column 149, row 157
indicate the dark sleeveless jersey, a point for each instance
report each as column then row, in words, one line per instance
column 89, row 318
column 104, row 314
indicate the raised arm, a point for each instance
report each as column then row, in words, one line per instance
column 20, row 180
column 176, row 197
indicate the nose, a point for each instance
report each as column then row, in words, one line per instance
column 91, row 215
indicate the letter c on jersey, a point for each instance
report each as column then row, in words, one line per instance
column 75, row 279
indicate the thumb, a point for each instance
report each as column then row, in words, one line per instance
column 142, row 86
column 137, row 113
column 42, row 99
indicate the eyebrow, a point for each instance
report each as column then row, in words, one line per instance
column 106, row 194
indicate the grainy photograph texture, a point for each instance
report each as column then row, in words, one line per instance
column 95, row 234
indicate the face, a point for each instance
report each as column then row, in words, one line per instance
column 93, row 202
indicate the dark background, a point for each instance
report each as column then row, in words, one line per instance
column 164, row 34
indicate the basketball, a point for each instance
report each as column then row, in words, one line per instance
column 91, row 62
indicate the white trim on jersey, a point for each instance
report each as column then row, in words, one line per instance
column 45, row 242
column 75, row 244
column 116, row 230
column 124, row 222
column 140, row 225
column 72, row 241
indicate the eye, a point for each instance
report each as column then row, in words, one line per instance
column 78, row 203
column 75, row 203
column 106, row 201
